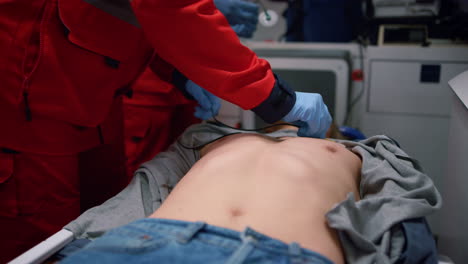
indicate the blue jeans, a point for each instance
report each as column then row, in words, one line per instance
column 152, row 240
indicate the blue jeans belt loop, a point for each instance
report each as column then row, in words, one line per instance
column 294, row 249
column 186, row 234
column 246, row 247
column 247, row 236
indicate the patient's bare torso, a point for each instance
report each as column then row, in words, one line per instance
column 280, row 188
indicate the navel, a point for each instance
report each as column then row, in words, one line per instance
column 331, row 148
column 236, row 212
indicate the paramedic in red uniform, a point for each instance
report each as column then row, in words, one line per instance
column 154, row 116
column 62, row 63
column 157, row 112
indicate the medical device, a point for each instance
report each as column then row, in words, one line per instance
column 405, row 8
column 403, row 34
column 416, row 20
column 265, row 10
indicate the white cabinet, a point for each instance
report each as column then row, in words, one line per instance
column 412, row 87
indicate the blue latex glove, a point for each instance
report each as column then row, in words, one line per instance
column 352, row 133
column 311, row 114
column 241, row 15
column 244, row 31
column 208, row 104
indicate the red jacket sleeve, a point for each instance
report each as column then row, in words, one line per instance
column 196, row 38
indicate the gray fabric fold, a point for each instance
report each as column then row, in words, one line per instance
column 392, row 190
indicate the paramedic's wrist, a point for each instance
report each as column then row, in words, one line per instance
column 279, row 103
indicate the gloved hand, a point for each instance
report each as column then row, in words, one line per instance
column 208, row 104
column 241, row 15
column 351, row 133
column 243, row 30
column 311, row 114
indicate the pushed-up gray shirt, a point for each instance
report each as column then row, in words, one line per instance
column 393, row 189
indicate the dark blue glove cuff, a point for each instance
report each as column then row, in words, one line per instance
column 278, row 104
column 179, row 80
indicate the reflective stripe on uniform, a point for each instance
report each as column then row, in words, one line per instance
column 121, row 9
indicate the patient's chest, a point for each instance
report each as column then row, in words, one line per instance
column 282, row 187
column 292, row 160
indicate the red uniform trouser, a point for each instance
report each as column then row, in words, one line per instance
column 39, row 194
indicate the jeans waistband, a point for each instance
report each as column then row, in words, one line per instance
column 184, row 232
